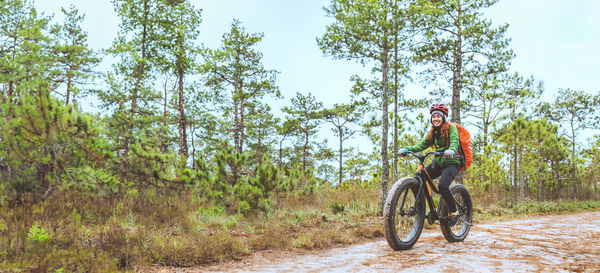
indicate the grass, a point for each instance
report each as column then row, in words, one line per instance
column 532, row 208
column 79, row 233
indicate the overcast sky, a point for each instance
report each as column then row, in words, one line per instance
column 556, row 41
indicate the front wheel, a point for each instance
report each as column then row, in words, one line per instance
column 403, row 218
column 458, row 232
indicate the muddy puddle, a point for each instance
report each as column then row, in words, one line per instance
column 556, row 243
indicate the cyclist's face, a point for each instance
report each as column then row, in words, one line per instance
column 437, row 120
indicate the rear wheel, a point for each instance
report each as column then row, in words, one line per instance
column 402, row 220
column 458, row 232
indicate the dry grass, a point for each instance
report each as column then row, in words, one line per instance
column 100, row 234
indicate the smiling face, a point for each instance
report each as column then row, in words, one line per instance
column 437, row 120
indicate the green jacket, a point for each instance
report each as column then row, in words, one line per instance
column 440, row 146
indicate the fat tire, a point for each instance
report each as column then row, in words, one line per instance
column 465, row 225
column 390, row 213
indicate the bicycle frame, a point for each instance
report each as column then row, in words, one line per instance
column 424, row 179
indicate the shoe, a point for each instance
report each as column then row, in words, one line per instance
column 453, row 219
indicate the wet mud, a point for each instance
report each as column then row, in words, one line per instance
column 555, row 243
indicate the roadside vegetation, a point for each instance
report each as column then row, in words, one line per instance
column 83, row 233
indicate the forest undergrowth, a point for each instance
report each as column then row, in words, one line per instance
column 79, row 233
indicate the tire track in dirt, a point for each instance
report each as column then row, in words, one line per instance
column 553, row 243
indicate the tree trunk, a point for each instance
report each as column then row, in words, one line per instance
column 539, row 180
column 457, row 73
column 485, row 118
column 242, row 126
column 140, row 73
column 237, row 103
column 505, row 194
column 162, row 135
column 305, row 149
column 279, row 164
column 574, row 170
column 183, row 149
column 165, row 104
column 395, row 149
column 69, row 83
column 457, row 80
column 514, row 178
column 485, row 137
column 521, row 178
column 193, row 148
column 341, row 151
column 557, row 174
column 590, row 188
column 259, row 150
column 236, row 121
column 385, row 170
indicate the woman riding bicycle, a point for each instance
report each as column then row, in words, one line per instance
column 443, row 136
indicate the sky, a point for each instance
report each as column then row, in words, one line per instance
column 556, row 41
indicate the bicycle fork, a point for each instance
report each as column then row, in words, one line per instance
column 429, row 199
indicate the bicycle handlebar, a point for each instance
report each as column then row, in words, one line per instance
column 423, row 157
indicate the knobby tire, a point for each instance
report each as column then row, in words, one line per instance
column 458, row 232
column 402, row 221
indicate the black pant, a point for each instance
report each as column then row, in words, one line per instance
column 448, row 173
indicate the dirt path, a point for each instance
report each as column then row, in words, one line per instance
column 557, row 243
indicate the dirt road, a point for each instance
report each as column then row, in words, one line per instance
column 557, row 243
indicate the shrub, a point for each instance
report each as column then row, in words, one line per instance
column 46, row 145
column 337, row 207
column 37, row 234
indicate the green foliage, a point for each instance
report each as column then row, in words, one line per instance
column 257, row 192
column 48, row 145
column 341, row 116
column 38, row 234
column 337, row 207
column 299, row 181
column 211, row 187
column 356, row 167
column 236, row 186
column 146, row 165
column 302, row 121
column 235, row 71
column 532, row 208
column 73, row 59
column 212, row 211
column 458, row 40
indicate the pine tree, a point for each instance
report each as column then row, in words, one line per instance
column 575, row 110
column 46, row 146
column 341, row 116
column 236, row 68
column 73, row 57
column 180, row 24
column 304, row 114
column 366, row 31
column 261, row 130
column 457, row 38
column 24, row 48
column 131, row 98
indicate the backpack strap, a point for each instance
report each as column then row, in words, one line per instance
column 462, row 155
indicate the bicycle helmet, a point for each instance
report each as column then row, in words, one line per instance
column 440, row 107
